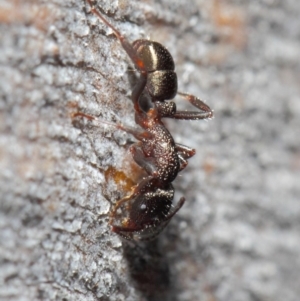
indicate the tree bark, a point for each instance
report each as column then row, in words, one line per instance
column 237, row 236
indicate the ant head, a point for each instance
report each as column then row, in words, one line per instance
column 151, row 208
column 145, row 215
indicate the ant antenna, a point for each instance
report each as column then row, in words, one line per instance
column 126, row 45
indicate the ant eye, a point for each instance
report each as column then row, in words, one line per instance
column 143, row 207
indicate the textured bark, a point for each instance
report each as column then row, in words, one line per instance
column 236, row 238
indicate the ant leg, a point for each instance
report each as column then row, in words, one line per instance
column 138, row 134
column 147, row 163
column 127, row 227
column 80, row 114
column 186, row 151
column 196, row 102
column 137, row 190
column 143, row 186
column 139, row 64
column 120, row 202
column 188, row 115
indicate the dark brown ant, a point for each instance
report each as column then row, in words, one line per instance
column 156, row 66
column 147, row 210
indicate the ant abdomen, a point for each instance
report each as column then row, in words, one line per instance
column 154, row 55
column 162, row 79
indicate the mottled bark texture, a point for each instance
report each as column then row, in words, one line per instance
column 236, row 238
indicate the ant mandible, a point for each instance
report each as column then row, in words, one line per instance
column 156, row 66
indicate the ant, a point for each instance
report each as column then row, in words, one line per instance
column 156, row 67
column 147, row 210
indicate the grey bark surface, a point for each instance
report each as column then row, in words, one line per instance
column 236, row 238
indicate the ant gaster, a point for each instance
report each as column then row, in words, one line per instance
column 147, row 210
column 156, row 66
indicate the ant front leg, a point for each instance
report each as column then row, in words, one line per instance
column 138, row 189
column 80, row 114
column 120, row 202
column 137, row 133
column 196, row 102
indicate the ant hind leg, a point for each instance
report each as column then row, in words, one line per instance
column 196, row 102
